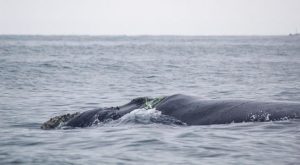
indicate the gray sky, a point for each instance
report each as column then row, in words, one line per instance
column 152, row 17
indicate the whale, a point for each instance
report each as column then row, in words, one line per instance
column 185, row 109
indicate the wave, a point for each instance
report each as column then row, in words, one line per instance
column 147, row 116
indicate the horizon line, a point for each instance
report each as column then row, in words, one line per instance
column 145, row 35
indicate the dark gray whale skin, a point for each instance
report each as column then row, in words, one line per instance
column 88, row 118
column 192, row 111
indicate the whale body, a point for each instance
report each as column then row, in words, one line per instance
column 186, row 109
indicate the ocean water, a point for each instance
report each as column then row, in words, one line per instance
column 45, row 76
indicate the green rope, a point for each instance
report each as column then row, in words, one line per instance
column 149, row 104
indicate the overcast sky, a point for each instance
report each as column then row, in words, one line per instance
column 151, row 17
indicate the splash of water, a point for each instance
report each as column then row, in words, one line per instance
column 147, row 116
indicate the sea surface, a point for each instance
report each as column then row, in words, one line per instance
column 45, row 76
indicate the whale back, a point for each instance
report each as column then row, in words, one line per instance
column 187, row 109
column 195, row 111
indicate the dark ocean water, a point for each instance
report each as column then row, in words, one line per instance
column 44, row 76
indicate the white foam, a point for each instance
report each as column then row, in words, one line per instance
column 143, row 116
column 260, row 117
